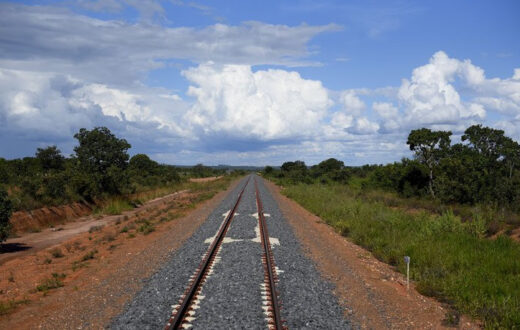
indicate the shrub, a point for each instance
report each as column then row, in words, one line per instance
column 53, row 282
column 56, row 253
column 89, row 256
column 6, row 209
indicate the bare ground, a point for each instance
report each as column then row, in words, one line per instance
column 29, row 243
column 207, row 179
column 104, row 269
column 373, row 293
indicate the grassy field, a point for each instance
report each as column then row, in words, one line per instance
column 450, row 259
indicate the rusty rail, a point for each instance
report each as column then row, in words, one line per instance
column 270, row 275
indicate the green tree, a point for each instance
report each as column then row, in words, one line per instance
column 201, row 171
column 143, row 165
column 511, row 151
column 6, row 209
column 50, row 158
column 429, row 147
column 268, row 170
column 104, row 158
column 4, row 171
column 295, row 171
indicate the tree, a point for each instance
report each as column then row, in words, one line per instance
column 511, row 153
column 4, row 171
column 488, row 142
column 296, row 171
column 6, row 209
column 143, row 165
column 429, row 147
column 268, row 170
column 201, row 171
column 50, row 158
column 103, row 158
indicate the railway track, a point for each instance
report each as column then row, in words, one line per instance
column 184, row 311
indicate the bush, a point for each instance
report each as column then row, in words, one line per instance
column 6, row 209
column 51, row 283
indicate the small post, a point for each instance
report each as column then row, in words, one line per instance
column 407, row 260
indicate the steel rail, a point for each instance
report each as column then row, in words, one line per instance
column 269, row 266
column 176, row 321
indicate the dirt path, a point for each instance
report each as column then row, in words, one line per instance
column 99, row 271
column 207, row 179
column 374, row 295
column 30, row 243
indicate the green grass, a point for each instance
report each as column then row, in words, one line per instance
column 7, row 307
column 449, row 258
column 53, row 282
column 114, row 206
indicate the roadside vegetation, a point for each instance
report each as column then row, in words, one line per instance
column 100, row 173
column 451, row 209
column 64, row 266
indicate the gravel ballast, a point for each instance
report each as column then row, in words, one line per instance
column 232, row 293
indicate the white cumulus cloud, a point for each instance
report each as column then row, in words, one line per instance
column 232, row 100
column 430, row 97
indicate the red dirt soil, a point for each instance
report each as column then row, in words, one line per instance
column 24, row 221
column 104, row 269
column 210, row 178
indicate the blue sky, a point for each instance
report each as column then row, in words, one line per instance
column 256, row 82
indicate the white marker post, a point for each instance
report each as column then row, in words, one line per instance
column 407, row 260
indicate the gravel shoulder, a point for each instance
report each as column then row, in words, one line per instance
column 371, row 292
column 232, row 292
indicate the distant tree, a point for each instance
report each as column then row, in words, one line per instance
column 143, row 165
column 6, row 209
column 330, row 169
column 103, row 158
column 331, row 164
column 429, row 147
column 201, row 171
column 294, row 166
column 295, row 171
column 50, row 158
column 268, row 170
column 4, row 171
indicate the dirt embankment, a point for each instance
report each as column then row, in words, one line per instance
column 211, row 178
column 35, row 220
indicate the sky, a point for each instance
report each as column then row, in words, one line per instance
column 256, row 82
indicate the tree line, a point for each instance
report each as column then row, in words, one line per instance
column 483, row 168
column 100, row 167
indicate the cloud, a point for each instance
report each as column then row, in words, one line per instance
column 266, row 105
column 431, row 98
column 47, row 108
column 351, row 102
column 385, row 109
column 60, row 71
column 57, row 40
column 363, row 126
